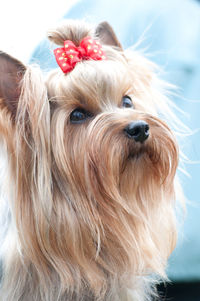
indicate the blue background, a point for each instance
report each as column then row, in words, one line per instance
column 171, row 31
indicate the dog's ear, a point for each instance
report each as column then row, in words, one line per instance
column 107, row 35
column 11, row 74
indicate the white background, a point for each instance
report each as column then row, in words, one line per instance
column 23, row 23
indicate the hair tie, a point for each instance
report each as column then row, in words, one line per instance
column 68, row 56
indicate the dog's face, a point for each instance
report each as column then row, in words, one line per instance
column 107, row 136
column 112, row 163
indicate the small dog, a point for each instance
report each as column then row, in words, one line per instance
column 87, row 172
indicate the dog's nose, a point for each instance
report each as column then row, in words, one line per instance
column 137, row 130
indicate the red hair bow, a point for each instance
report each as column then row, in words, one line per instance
column 68, row 56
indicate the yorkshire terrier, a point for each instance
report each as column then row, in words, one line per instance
column 87, row 172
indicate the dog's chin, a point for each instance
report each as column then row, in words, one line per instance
column 137, row 151
column 143, row 153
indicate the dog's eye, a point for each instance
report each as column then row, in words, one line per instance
column 127, row 102
column 79, row 115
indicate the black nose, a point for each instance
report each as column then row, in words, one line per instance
column 137, row 130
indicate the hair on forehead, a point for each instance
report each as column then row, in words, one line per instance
column 92, row 79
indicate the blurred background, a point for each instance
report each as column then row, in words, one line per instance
column 170, row 32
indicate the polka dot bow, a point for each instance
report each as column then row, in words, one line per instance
column 68, row 56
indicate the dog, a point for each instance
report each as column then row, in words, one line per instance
column 88, row 172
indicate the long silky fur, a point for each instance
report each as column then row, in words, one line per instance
column 91, row 214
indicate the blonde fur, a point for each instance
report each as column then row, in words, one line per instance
column 92, row 212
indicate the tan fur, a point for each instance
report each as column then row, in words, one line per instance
column 92, row 211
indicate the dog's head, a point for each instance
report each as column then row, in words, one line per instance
column 93, row 164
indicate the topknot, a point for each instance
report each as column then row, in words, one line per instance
column 72, row 30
